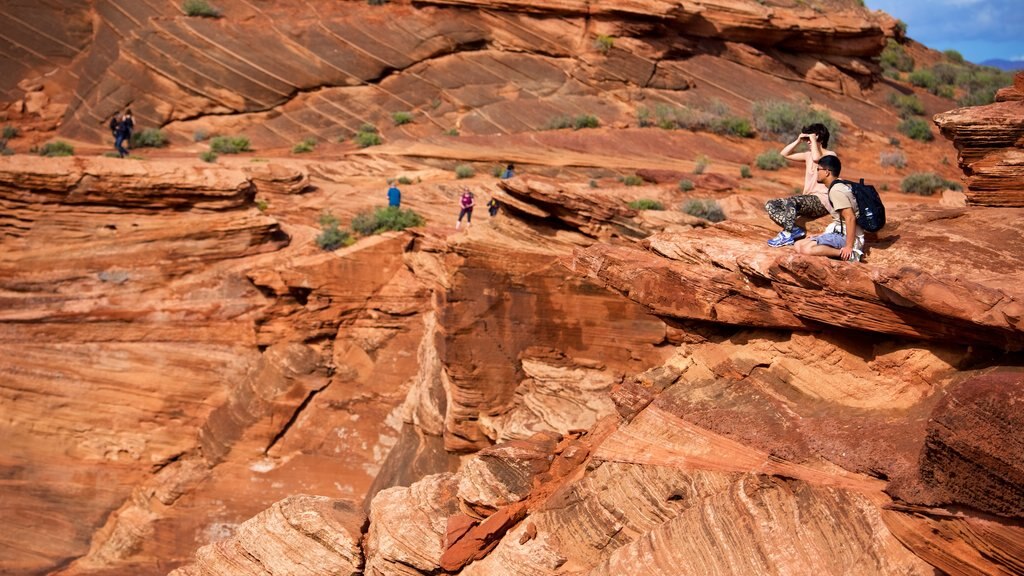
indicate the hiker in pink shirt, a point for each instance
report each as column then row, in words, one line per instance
column 467, row 202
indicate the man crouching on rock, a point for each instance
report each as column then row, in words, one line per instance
column 837, row 241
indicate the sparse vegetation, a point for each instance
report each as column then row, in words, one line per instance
column 892, row 158
column 576, row 123
column 464, row 171
column 384, row 219
column 452, row 132
column 770, row 160
column 926, row 184
column 685, row 185
column 745, row 172
column 377, row 2
column 701, row 164
column 632, row 180
column 367, row 136
column 149, row 138
column 57, row 148
column 403, row 180
column 714, row 118
column 953, row 56
column 229, row 144
column 497, row 170
column 331, row 235
column 262, row 204
column 200, row 8
column 10, row 132
column 400, row 118
column 199, row 136
column 895, row 58
column 706, row 209
column 646, row 204
column 208, row 156
column 907, row 105
column 307, row 145
column 924, row 78
column 917, row 129
column 782, row 120
column 592, row 183
column 604, row 43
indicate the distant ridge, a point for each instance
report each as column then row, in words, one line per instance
column 1004, row 64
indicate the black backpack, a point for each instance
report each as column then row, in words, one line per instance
column 872, row 212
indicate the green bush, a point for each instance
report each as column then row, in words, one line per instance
column 924, row 78
column 592, row 183
column 701, row 165
column 208, row 156
column 954, row 56
column 643, row 116
column 400, row 118
column 894, row 57
column 229, row 144
column 307, row 145
column 576, row 123
column 604, row 43
column 646, row 204
column 892, row 158
column 770, row 160
column 464, row 171
column 403, row 180
column 633, row 180
column 917, row 129
column 745, row 172
column 10, row 132
column 452, row 132
column 331, row 235
column 377, row 2
column 979, row 84
column 384, row 219
column 782, row 120
column 686, row 185
column 366, row 138
column 706, row 209
column 733, row 126
column 200, row 8
column 907, row 105
column 57, row 148
column 149, row 138
column 925, row 184
column 714, row 118
column 262, row 204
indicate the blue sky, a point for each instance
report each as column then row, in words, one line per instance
column 978, row 29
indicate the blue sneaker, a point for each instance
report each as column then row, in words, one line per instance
column 786, row 238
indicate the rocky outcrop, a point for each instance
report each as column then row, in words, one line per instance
column 990, row 142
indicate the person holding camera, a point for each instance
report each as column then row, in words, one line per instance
column 813, row 202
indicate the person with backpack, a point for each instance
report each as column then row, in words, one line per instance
column 466, row 202
column 812, row 203
column 492, row 207
column 509, row 172
column 844, row 237
column 122, row 132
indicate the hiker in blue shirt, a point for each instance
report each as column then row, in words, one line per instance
column 394, row 195
column 509, row 172
column 123, row 133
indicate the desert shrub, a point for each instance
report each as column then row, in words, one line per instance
column 307, row 145
column 464, row 171
column 770, row 160
column 200, row 8
column 400, row 118
column 632, row 180
column 404, row 180
column 701, row 165
column 367, row 136
column 946, row 73
column 733, row 126
column 643, row 116
column 925, row 184
column 893, row 158
column 646, row 204
column 452, row 132
column 5, row 151
column 262, row 204
column 576, row 123
column 907, row 105
column 714, row 118
column 901, row 29
column 782, row 120
column 706, row 209
column 10, row 132
column 377, row 2
column 894, row 141
column 953, row 56
column 331, row 235
column 685, row 185
column 979, row 84
column 745, row 172
column 894, row 57
column 149, row 138
column 57, row 148
column 916, row 128
column 558, row 123
column 229, row 144
column 208, row 156
column 924, row 78
column 592, row 183
column 604, row 43
column 384, row 219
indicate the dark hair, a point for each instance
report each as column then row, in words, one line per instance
column 832, row 164
column 817, row 128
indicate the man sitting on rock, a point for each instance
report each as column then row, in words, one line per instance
column 842, row 238
column 813, row 201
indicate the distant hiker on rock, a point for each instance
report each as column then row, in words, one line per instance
column 122, row 132
column 509, row 172
column 394, row 195
column 466, row 202
column 492, row 207
column 129, row 123
column 843, row 238
column 812, row 203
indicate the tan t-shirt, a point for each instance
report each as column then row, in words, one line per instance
column 841, row 197
column 811, row 184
